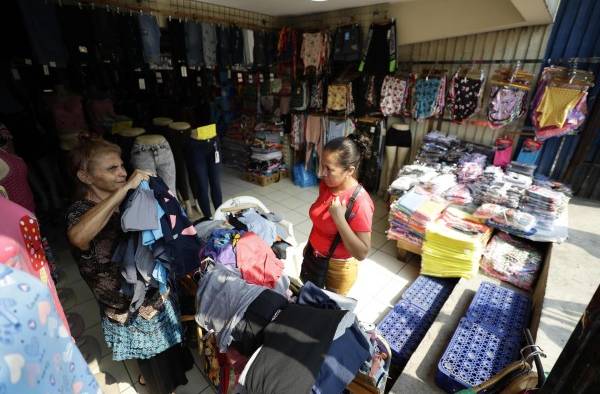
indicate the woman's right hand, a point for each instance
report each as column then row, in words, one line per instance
column 136, row 178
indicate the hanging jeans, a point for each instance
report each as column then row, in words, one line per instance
column 202, row 161
column 150, row 33
column 156, row 158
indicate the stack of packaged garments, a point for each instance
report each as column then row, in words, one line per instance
column 560, row 102
column 453, row 245
column 507, row 219
column 401, row 212
column 410, row 175
column 426, row 214
column 438, row 147
column 496, row 187
column 545, row 204
column 521, row 168
column 266, row 156
column 512, row 260
column 234, row 143
column 438, row 185
column 459, row 195
column 470, row 167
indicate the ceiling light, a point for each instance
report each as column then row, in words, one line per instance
column 318, row 1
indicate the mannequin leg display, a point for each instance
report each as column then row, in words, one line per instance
column 390, row 161
column 401, row 156
column 206, row 170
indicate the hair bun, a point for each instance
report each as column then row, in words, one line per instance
column 362, row 143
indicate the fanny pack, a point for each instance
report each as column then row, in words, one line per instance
column 314, row 268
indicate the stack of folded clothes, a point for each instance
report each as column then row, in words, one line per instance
column 459, row 195
column 234, row 145
column 470, row 167
column 266, row 156
column 545, row 204
column 409, row 176
column 401, row 212
column 438, row 147
column 512, row 260
column 453, row 245
column 426, row 214
column 507, row 219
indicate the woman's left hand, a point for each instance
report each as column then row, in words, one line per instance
column 337, row 209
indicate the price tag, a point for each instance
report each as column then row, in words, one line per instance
column 272, row 77
column 261, row 77
column 228, row 73
column 199, row 81
column 142, row 83
column 250, row 79
column 28, row 62
column 217, row 157
column 52, row 64
column 83, row 49
column 46, row 69
column 184, row 71
column 240, row 77
column 347, row 36
column 281, row 133
column 16, row 75
column 372, row 129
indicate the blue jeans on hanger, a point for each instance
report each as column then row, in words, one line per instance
column 203, row 165
column 150, row 33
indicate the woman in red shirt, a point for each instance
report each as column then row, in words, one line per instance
column 339, row 162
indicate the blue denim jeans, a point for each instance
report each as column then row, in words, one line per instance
column 193, row 43
column 156, row 158
column 202, row 165
column 45, row 36
column 150, row 33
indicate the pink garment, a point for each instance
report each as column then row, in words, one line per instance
column 99, row 110
column 15, row 182
column 257, row 262
column 68, row 114
column 19, row 227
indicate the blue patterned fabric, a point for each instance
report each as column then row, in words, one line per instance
column 426, row 91
column 37, row 353
column 141, row 338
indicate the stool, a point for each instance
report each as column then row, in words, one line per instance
column 161, row 125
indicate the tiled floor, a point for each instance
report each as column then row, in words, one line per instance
column 381, row 280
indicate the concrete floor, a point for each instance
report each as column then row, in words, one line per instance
column 382, row 278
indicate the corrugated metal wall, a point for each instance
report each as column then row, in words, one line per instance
column 519, row 43
column 576, row 34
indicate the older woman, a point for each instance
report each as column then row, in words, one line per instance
column 153, row 334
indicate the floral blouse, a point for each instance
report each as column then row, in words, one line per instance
column 101, row 274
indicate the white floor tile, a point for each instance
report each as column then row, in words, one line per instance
column 381, row 225
column 373, row 311
column 117, row 370
column 377, row 240
column 196, row 383
column 294, row 217
column 390, row 247
column 300, row 236
column 292, row 202
column 304, row 209
column 392, row 291
column 304, row 226
column 391, row 264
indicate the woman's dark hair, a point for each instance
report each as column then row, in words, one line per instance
column 349, row 151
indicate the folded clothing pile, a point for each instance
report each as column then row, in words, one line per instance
column 401, row 212
column 438, row 147
column 234, row 146
column 409, row 176
column 459, row 195
column 452, row 253
column 504, row 189
column 507, row 219
column 545, row 204
column 426, row 214
column 470, row 167
column 438, row 185
column 521, row 168
column 266, row 156
column 512, row 260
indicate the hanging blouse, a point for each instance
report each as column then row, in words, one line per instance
column 315, row 51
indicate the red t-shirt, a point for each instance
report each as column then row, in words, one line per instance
column 324, row 229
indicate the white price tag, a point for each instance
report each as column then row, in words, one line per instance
column 142, row 84
column 83, row 49
column 250, row 79
column 46, row 69
column 272, row 77
column 261, row 77
column 372, row 129
column 199, row 81
column 158, row 75
column 217, row 157
column 240, row 77
column 16, row 75
column 228, row 73
column 184, row 71
column 28, row 62
column 52, row 64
